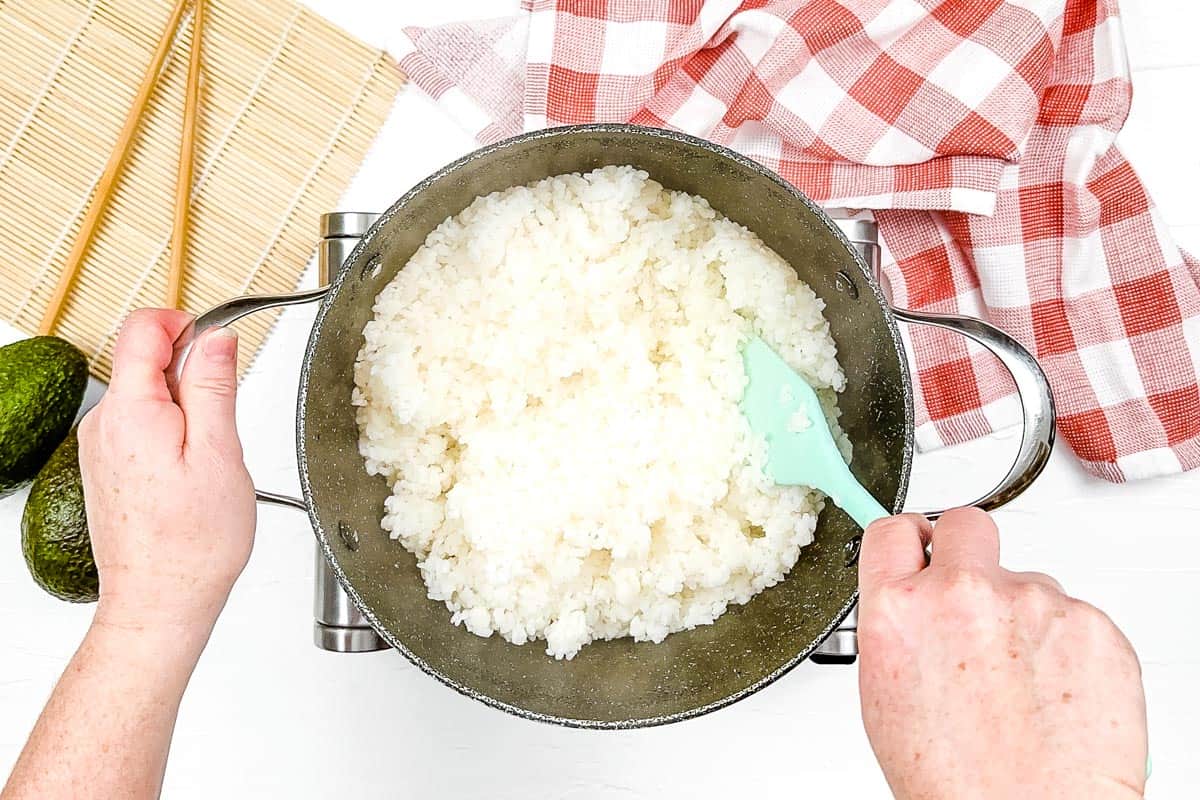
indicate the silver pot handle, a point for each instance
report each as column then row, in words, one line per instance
column 218, row 317
column 1037, row 403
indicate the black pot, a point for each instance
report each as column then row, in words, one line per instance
column 620, row 684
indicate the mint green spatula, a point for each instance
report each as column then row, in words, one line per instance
column 782, row 407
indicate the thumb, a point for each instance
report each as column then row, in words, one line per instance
column 208, row 391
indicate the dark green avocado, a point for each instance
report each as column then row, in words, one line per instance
column 42, row 381
column 54, row 532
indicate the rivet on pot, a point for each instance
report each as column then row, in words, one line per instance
column 348, row 535
column 852, row 549
column 844, row 283
column 372, row 268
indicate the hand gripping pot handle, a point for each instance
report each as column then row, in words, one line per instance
column 340, row 231
column 226, row 314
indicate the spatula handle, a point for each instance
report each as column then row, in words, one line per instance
column 856, row 501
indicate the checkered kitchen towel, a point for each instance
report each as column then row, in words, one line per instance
column 980, row 131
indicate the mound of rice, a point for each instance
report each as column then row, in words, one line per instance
column 551, row 388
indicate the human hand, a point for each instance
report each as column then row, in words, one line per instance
column 977, row 682
column 170, row 505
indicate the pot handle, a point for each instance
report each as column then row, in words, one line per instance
column 218, row 317
column 1037, row 404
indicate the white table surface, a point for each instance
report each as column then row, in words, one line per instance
column 268, row 715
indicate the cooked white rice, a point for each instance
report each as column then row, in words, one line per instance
column 551, row 388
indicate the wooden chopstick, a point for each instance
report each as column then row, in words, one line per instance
column 187, row 147
column 108, row 179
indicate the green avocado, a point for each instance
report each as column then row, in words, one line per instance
column 54, row 532
column 42, row 381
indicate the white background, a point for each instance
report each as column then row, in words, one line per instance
column 269, row 715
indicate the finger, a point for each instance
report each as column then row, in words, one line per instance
column 208, row 391
column 892, row 548
column 966, row 538
column 143, row 351
column 1037, row 577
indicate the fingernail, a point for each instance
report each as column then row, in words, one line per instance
column 221, row 344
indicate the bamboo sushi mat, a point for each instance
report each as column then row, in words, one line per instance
column 289, row 105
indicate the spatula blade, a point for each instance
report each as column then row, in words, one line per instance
column 783, row 408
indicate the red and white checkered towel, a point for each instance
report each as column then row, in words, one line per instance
column 981, row 133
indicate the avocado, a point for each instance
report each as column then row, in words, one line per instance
column 54, row 532
column 42, row 381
